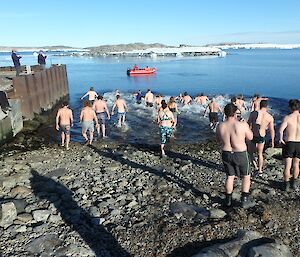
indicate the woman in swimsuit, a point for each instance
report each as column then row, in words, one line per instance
column 166, row 123
column 173, row 108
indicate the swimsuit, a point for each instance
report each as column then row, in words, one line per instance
column 213, row 117
column 236, row 163
column 101, row 117
column 88, row 125
column 65, row 128
column 148, row 104
column 121, row 115
column 258, row 139
column 291, row 150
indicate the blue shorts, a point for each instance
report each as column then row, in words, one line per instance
column 65, row 129
column 101, row 117
column 121, row 115
column 88, row 125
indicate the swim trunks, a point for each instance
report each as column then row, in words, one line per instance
column 291, row 150
column 258, row 139
column 65, row 128
column 149, row 104
column 236, row 163
column 165, row 133
column 88, row 126
column 121, row 115
column 101, row 117
column 213, row 117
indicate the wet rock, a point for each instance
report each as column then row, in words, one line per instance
column 270, row 250
column 8, row 214
column 41, row 215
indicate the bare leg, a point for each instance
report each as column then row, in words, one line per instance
column 84, row 135
column 120, row 122
column 287, row 169
column 246, row 182
column 67, row 141
column 98, row 130
column 123, row 121
column 62, row 138
column 260, row 149
column 251, row 150
column 162, row 146
column 91, row 137
column 296, row 167
column 229, row 184
column 103, row 129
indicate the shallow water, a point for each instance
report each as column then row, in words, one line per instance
column 272, row 73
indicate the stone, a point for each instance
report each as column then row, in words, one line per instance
column 57, row 173
column 21, row 191
column 41, row 215
column 270, row 250
column 8, row 214
column 132, row 204
column 217, row 214
column 44, row 244
column 20, row 205
column 188, row 211
column 25, row 217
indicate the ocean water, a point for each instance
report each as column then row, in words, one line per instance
column 273, row 73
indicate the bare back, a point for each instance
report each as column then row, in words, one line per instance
column 214, row 107
column 292, row 123
column 259, row 122
column 100, row 106
column 121, row 105
column 65, row 116
column 187, row 99
column 232, row 134
column 149, row 97
column 87, row 114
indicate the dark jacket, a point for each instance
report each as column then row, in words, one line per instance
column 16, row 59
column 41, row 59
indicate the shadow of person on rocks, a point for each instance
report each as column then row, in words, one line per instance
column 102, row 242
column 168, row 176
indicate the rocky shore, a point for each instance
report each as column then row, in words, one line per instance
column 112, row 199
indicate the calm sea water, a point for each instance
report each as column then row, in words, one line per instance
column 273, row 73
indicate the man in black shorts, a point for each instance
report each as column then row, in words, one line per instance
column 213, row 108
column 232, row 135
column 291, row 145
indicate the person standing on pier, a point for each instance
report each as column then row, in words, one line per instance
column 232, row 134
column 87, row 118
column 16, row 60
column 42, row 59
column 64, row 122
column 291, row 145
column 92, row 95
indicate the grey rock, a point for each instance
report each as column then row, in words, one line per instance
column 41, row 215
column 188, row 211
column 57, row 172
column 25, row 218
column 8, row 214
column 217, row 214
column 20, row 205
column 270, row 250
column 44, row 244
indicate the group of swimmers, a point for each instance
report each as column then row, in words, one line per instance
column 240, row 140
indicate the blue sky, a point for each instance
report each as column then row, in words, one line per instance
column 196, row 22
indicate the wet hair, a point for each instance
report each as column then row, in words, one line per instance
column 263, row 104
column 118, row 96
column 148, row 90
column 233, row 99
column 64, row 103
column 87, row 104
column 100, row 97
column 230, row 110
column 202, row 94
column 91, row 89
column 164, row 104
column 172, row 99
column 241, row 97
column 256, row 95
column 294, row 104
column 185, row 93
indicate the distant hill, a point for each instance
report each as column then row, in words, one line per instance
column 36, row 48
column 124, row 47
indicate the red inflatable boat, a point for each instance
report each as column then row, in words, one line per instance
column 145, row 71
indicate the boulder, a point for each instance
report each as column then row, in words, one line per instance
column 270, row 250
column 41, row 215
column 8, row 214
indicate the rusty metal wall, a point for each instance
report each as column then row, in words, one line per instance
column 41, row 90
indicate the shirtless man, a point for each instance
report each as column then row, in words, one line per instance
column 87, row 118
column 186, row 99
column 64, row 122
column 92, row 95
column 158, row 100
column 259, row 122
column 232, row 135
column 214, row 108
column 102, row 112
column 201, row 99
column 291, row 145
column 149, row 98
column 241, row 105
column 255, row 102
column 122, row 109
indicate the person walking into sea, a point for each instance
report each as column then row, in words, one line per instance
column 64, row 122
column 166, row 123
column 16, row 60
column 259, row 122
column 87, row 118
column 255, row 102
column 120, row 104
column 92, row 95
column 174, row 109
column 138, row 97
column 291, row 145
column 42, row 59
column 201, row 99
column 149, row 98
column 102, row 113
column 158, row 100
column 232, row 135
column 187, row 99
column 214, row 109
